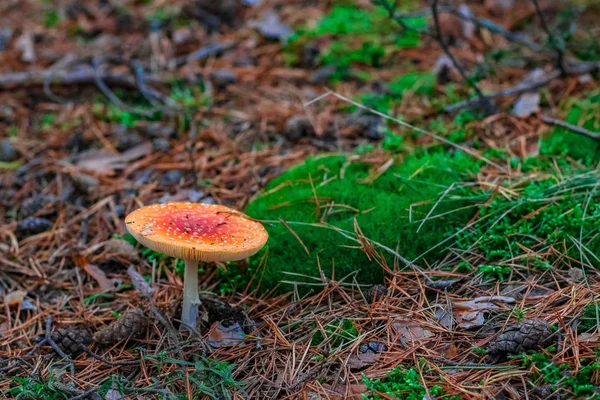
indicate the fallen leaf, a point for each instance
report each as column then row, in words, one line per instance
column 469, row 314
column 15, row 298
column 411, row 331
column 105, row 163
column 360, row 361
column 25, row 44
column 354, row 391
column 139, row 283
column 112, row 394
column 220, row 335
column 443, row 316
column 270, row 26
column 121, row 248
column 527, row 104
column 576, row 274
column 106, row 284
column 587, row 337
column 451, row 352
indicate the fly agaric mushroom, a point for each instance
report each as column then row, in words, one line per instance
column 196, row 233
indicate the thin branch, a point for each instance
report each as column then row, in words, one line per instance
column 571, row 127
column 526, row 86
column 485, row 102
column 553, row 40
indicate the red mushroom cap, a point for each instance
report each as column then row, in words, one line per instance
column 191, row 231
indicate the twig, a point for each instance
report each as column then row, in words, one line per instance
column 407, row 125
column 479, row 21
column 48, row 340
column 526, row 86
column 485, row 102
column 467, row 364
column 555, row 44
column 571, row 127
column 99, row 68
column 107, row 362
column 398, row 18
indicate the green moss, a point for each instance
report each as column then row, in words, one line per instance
column 387, row 206
column 359, row 36
column 544, row 213
column 562, row 142
column 402, row 383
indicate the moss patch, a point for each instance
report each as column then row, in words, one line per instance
column 562, row 142
column 387, row 204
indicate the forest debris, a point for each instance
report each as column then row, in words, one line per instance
column 105, row 283
column 360, row 361
column 444, row 316
column 25, row 44
column 527, row 104
column 140, row 284
column 270, row 26
column 376, row 293
column 221, row 335
column 338, row 392
column 470, row 314
column 587, row 337
column 33, row 225
column 132, row 324
column 85, row 183
column 71, row 340
column 15, row 298
column 524, row 335
column 411, row 331
column 5, row 36
column 7, row 151
column 105, row 163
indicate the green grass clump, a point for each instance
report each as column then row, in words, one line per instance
column 401, row 383
column 561, row 378
column 356, row 36
column 547, row 213
column 388, row 206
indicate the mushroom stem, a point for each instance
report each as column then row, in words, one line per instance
column 189, row 310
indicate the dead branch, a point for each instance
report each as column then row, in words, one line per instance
column 526, row 86
column 560, row 52
column 488, row 106
column 571, row 127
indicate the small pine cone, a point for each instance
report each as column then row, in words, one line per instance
column 527, row 334
column 71, row 339
column 376, row 293
column 132, row 324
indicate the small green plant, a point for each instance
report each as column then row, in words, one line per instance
column 498, row 272
column 336, row 334
column 400, row 383
column 207, row 376
column 357, row 36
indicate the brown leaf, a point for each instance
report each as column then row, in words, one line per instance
column 104, row 163
column 220, row 335
column 15, row 298
column 362, row 360
column 411, row 331
column 451, row 352
column 338, row 392
column 105, row 283
column 469, row 313
column 587, row 337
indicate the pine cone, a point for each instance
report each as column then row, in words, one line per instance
column 527, row 334
column 132, row 324
column 376, row 293
column 71, row 339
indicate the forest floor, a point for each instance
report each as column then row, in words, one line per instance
column 108, row 105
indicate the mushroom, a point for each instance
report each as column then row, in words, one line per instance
column 196, row 233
